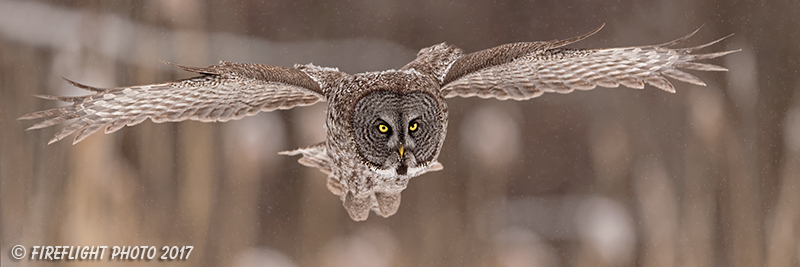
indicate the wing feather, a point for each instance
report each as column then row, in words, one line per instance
column 224, row 92
column 313, row 156
column 526, row 70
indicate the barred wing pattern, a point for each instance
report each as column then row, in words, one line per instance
column 224, row 92
column 545, row 67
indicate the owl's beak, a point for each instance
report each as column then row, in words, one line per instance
column 401, row 151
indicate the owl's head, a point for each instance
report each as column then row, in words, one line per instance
column 398, row 132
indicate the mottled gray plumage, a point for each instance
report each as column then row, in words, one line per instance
column 383, row 128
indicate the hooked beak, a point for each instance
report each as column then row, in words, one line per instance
column 401, row 151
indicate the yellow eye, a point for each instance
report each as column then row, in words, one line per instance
column 413, row 126
column 383, row 128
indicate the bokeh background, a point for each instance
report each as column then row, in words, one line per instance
column 709, row 176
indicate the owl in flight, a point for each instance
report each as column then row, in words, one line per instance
column 384, row 127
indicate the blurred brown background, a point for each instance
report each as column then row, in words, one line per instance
column 709, row 176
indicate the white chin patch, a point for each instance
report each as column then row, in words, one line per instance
column 387, row 172
column 392, row 172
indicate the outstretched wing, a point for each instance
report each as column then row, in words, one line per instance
column 522, row 71
column 227, row 91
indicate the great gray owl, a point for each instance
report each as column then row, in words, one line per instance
column 386, row 127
